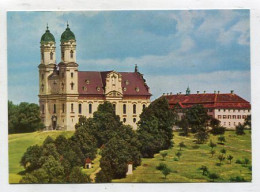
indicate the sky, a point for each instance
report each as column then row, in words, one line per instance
column 207, row 50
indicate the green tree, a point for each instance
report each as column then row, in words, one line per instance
column 222, row 139
column 221, row 158
column 164, row 154
column 223, row 151
column 201, row 136
column 197, row 118
column 213, row 176
column 178, row 154
column 247, row 123
column 37, row 176
column 204, row 170
column 76, row 176
column 181, row 145
column 184, row 125
column 30, row 159
column 240, row 129
column 229, row 157
column 24, row 117
column 212, row 145
column 155, row 127
column 212, row 152
column 166, row 171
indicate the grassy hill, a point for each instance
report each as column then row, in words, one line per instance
column 18, row 143
column 186, row 169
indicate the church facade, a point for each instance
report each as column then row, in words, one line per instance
column 66, row 94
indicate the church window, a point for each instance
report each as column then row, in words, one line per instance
column 54, row 108
column 124, row 120
column 62, row 55
column 90, row 108
column 72, row 85
column 79, row 108
column 71, row 54
column 42, row 109
column 124, row 108
column 143, row 106
column 71, row 107
column 114, row 107
column 134, row 120
column 63, row 108
column 51, row 55
column 71, row 75
column 134, row 109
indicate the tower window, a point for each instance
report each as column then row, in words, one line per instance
column 62, row 55
column 42, row 76
column 124, row 108
column 90, row 108
column 54, row 108
column 143, row 106
column 124, row 120
column 42, row 87
column 51, row 55
column 134, row 120
column 63, row 108
column 79, row 108
column 71, row 54
column 43, row 57
column 42, row 109
column 72, row 85
column 71, row 75
column 71, row 107
column 134, row 109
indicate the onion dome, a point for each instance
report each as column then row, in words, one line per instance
column 47, row 36
column 67, row 35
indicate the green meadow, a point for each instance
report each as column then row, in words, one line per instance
column 183, row 170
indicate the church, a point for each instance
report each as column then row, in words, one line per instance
column 66, row 94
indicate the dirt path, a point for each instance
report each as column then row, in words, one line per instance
column 93, row 175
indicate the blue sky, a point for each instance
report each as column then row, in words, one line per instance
column 205, row 49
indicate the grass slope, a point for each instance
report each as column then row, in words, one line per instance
column 18, row 143
column 186, row 169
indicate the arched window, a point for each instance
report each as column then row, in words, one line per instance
column 71, row 107
column 71, row 75
column 143, row 106
column 134, row 109
column 42, row 109
column 72, row 85
column 54, row 108
column 43, row 57
column 90, row 108
column 114, row 107
column 124, row 108
column 63, row 108
column 71, row 54
column 62, row 55
column 124, row 120
column 134, row 120
column 79, row 108
column 51, row 55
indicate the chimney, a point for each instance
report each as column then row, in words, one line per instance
column 232, row 92
column 180, row 93
column 218, row 92
column 163, row 93
column 167, row 93
column 198, row 92
column 204, row 92
column 170, row 93
column 214, row 91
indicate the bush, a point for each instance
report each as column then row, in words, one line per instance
column 175, row 159
column 161, row 166
column 238, row 161
column 195, row 147
column 237, row 179
column 213, row 176
column 240, row 129
column 222, row 139
column 218, row 130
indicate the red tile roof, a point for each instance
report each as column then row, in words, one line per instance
column 88, row 160
column 91, row 80
column 209, row 100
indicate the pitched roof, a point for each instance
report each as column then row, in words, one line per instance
column 209, row 100
column 88, row 160
column 89, row 81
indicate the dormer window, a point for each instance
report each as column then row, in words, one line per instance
column 127, row 82
column 51, row 55
column 87, row 81
column 84, row 88
column 124, row 88
column 71, row 54
column 137, row 89
column 98, row 88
